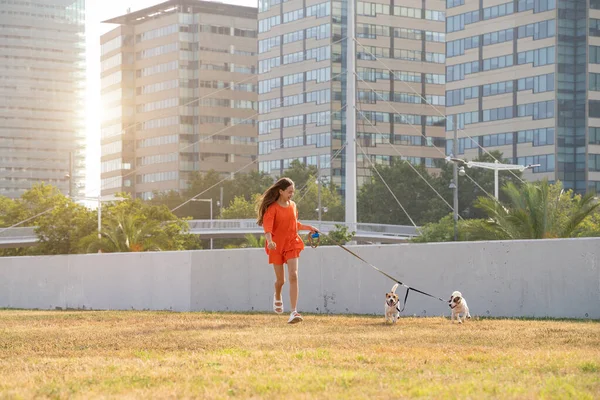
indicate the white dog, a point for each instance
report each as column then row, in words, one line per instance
column 391, row 305
column 459, row 306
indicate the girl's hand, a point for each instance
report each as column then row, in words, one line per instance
column 271, row 245
column 313, row 229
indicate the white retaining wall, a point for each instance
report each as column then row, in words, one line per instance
column 542, row 278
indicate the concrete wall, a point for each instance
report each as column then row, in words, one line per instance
column 543, row 278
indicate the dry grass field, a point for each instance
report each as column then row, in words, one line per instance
column 90, row 354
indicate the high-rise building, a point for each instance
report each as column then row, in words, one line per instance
column 42, row 90
column 179, row 95
column 303, row 77
column 521, row 78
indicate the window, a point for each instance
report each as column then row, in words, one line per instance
column 539, row 84
column 540, row 110
column 538, row 57
column 594, row 109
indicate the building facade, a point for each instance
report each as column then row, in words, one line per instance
column 521, row 78
column 303, row 76
column 42, row 91
column 179, row 95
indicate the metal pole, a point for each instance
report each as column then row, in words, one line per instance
column 99, row 217
column 221, row 202
column 496, row 179
column 350, row 195
column 211, row 224
column 455, row 174
column 319, row 189
column 71, row 174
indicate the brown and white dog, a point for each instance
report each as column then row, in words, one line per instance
column 391, row 305
column 459, row 306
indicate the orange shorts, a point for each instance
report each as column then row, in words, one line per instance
column 282, row 258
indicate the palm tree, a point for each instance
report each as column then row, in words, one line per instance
column 127, row 233
column 254, row 241
column 537, row 211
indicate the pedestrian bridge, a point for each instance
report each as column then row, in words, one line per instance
column 238, row 228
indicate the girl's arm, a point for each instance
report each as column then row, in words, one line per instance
column 307, row 228
column 270, row 242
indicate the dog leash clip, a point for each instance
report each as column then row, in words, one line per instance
column 314, row 239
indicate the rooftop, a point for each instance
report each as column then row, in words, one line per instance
column 188, row 6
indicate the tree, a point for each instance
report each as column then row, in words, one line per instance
column 538, row 210
column 589, row 227
column 331, row 201
column 128, row 233
column 61, row 230
column 240, row 208
column 300, row 174
column 468, row 230
column 253, row 241
column 340, row 235
column 208, row 186
column 377, row 205
column 133, row 225
column 60, row 222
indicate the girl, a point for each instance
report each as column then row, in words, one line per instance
column 278, row 215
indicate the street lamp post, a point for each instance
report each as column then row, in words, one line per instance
column 211, row 216
column 100, row 200
column 496, row 166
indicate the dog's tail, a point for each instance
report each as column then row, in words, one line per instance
column 394, row 288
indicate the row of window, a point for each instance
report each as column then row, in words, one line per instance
column 537, row 57
column 227, row 30
column 112, row 148
column 537, row 110
column 373, row 53
column 319, row 75
column 410, row 119
column 539, row 84
column 241, row 104
column 229, row 67
column 157, row 141
column 157, row 69
column 157, row 159
column 156, row 51
column 157, row 177
column 318, row 140
column 317, row 53
column 546, row 162
column 458, row 22
column 157, row 32
column 374, row 74
column 318, row 10
column 318, row 32
column 372, row 31
column 274, row 166
column 373, row 96
column 374, row 9
column 318, row 96
column 539, row 30
column 538, row 137
column 158, row 105
column 318, row 118
column 242, row 87
column 113, row 165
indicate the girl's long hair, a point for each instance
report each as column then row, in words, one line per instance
column 270, row 196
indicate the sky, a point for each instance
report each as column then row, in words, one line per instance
column 96, row 12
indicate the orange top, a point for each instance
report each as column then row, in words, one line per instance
column 283, row 224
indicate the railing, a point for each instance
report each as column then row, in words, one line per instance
column 325, row 226
column 239, row 226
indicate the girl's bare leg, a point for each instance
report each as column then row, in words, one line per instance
column 293, row 279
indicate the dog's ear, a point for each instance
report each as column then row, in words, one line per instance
column 395, row 287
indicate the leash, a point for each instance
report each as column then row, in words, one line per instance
column 312, row 236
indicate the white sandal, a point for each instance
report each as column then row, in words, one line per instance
column 277, row 305
column 295, row 317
